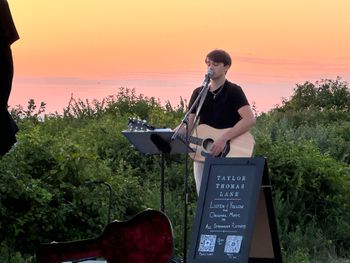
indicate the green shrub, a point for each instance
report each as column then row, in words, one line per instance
column 55, row 182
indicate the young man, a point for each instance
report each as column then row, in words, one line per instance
column 225, row 107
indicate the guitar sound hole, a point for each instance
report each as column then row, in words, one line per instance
column 207, row 143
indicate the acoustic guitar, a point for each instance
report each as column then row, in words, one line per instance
column 146, row 238
column 202, row 139
column 204, row 135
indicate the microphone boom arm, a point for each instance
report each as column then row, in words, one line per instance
column 201, row 96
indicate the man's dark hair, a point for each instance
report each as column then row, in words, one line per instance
column 219, row 56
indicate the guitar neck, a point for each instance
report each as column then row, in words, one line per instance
column 192, row 139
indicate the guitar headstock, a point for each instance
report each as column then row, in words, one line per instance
column 135, row 124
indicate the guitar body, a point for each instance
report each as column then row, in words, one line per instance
column 241, row 146
column 146, row 238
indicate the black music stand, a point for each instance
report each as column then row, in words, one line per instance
column 158, row 141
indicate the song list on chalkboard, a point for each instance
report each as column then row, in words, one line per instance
column 225, row 212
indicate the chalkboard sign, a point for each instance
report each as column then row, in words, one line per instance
column 226, row 210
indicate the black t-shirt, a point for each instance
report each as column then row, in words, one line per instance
column 221, row 110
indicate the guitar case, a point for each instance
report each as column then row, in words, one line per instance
column 146, row 238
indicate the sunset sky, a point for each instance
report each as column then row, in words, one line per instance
column 90, row 48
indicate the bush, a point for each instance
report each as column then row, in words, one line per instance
column 55, row 182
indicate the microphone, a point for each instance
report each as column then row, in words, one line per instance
column 209, row 74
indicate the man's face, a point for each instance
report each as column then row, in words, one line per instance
column 218, row 68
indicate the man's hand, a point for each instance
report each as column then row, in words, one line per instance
column 218, row 146
column 180, row 129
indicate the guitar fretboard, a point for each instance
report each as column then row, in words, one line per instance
column 192, row 139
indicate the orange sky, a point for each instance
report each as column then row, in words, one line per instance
column 92, row 47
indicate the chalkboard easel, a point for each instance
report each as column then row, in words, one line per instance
column 235, row 219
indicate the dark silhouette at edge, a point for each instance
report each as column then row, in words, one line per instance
column 8, row 35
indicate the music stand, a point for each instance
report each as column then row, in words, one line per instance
column 157, row 141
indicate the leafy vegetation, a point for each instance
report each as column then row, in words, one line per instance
column 55, row 181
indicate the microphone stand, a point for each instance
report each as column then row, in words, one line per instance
column 199, row 101
column 201, row 96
